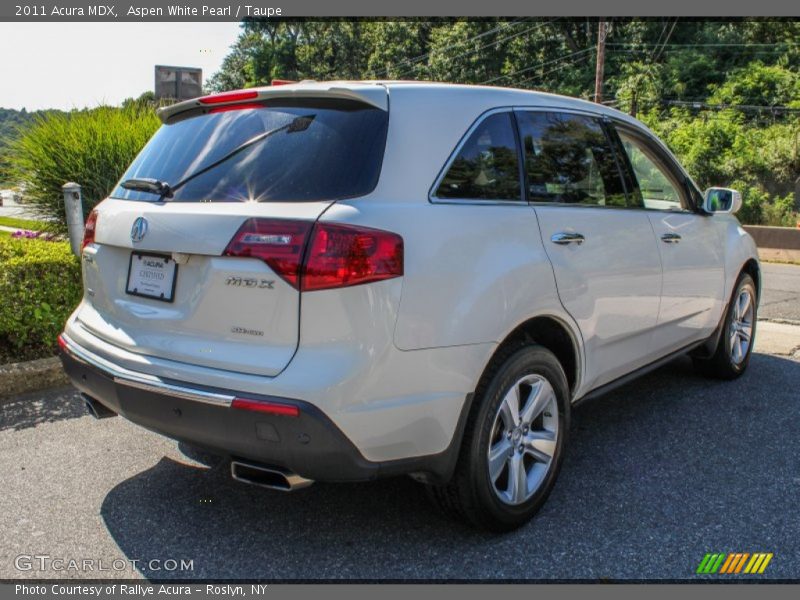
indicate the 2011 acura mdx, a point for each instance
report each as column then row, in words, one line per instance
column 348, row 280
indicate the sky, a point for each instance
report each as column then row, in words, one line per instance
column 78, row 65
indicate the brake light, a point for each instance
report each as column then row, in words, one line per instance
column 270, row 408
column 345, row 255
column 62, row 343
column 241, row 106
column 279, row 243
column 236, row 96
column 338, row 255
column 282, row 82
column 89, row 229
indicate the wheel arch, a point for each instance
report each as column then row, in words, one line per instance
column 551, row 332
column 752, row 268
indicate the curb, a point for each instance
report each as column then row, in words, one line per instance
column 31, row 376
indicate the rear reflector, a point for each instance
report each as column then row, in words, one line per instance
column 62, row 343
column 89, row 229
column 270, row 408
column 236, row 96
column 338, row 255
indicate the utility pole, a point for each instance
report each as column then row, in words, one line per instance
column 601, row 61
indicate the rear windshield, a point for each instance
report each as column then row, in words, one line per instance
column 338, row 155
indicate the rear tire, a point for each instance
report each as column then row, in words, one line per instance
column 513, row 443
column 735, row 345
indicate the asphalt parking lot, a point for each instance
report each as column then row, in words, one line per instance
column 658, row 473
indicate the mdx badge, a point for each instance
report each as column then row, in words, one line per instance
column 264, row 284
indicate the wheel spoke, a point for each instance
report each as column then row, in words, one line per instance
column 540, row 444
column 509, row 410
column 745, row 306
column 517, row 479
column 745, row 333
column 737, row 353
column 498, row 455
column 540, row 396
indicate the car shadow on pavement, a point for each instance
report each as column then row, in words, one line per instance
column 672, row 462
column 35, row 408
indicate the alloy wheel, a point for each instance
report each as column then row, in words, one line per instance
column 523, row 440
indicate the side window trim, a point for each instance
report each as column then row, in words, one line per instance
column 633, row 195
column 663, row 159
column 434, row 199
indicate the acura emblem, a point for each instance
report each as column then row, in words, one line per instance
column 139, row 229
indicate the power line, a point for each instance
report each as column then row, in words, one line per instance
column 549, row 71
column 706, row 45
column 502, row 26
column 474, row 50
column 544, row 64
column 660, row 35
column 500, row 41
column 669, row 35
column 704, row 105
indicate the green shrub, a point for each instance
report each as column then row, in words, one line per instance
column 40, row 285
column 90, row 147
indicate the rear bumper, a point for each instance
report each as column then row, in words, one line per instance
column 310, row 444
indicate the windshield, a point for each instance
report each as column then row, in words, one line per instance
column 337, row 156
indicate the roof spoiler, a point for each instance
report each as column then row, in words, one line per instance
column 368, row 93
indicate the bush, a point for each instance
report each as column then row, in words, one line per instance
column 40, row 285
column 90, row 147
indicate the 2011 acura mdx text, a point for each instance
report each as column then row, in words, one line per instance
column 348, row 280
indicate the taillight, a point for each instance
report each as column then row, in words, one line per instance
column 89, row 229
column 338, row 255
column 345, row 255
column 279, row 243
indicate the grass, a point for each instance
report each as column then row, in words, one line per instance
column 23, row 223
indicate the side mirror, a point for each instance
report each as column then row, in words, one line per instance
column 722, row 200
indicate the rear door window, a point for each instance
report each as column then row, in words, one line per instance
column 487, row 165
column 569, row 160
column 338, row 155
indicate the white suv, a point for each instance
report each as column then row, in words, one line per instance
column 348, row 280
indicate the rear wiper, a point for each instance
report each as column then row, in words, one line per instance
column 165, row 190
column 145, row 184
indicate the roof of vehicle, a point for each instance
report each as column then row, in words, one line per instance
column 378, row 93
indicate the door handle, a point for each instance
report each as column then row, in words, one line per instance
column 670, row 238
column 567, row 237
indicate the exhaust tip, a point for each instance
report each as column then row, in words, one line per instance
column 97, row 410
column 272, row 478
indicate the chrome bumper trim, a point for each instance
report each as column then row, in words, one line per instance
column 143, row 382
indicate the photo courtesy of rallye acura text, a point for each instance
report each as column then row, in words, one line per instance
column 348, row 280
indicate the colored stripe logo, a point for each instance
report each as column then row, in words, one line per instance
column 734, row 563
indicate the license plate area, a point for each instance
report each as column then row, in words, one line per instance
column 152, row 276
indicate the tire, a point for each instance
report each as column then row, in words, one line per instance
column 487, row 496
column 735, row 345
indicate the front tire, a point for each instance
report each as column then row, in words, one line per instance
column 513, row 443
column 732, row 355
